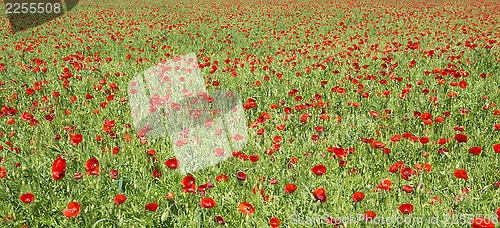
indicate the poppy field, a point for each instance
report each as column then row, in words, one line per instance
column 355, row 112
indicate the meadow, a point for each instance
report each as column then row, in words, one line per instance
column 355, row 111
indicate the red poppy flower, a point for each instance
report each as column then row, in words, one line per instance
column 273, row 181
column 30, row 91
column 113, row 173
column 58, row 168
column 427, row 122
column 374, row 114
column 116, row 150
column 207, row 203
column 394, row 168
column 151, row 207
column 424, row 140
column 246, row 208
column 291, row 187
column 339, row 152
column 277, row 139
column 172, row 163
column 319, row 129
column 188, row 184
column 157, row 173
column 49, row 117
column 358, row 196
column 9, row 111
column 34, row 122
column 406, row 208
column 26, row 116
column 396, row 138
column 219, row 220
column 319, row 170
column 88, row 96
column 324, row 117
column 142, row 132
column 275, row 222
column 204, row 187
column 237, row 153
column 426, row 116
column 385, row 185
column 76, row 139
column 119, row 199
column 475, row 150
column 221, row 178
column 460, row 173
column 407, row 135
column 407, row 188
column 219, row 152
column 241, row 176
column 3, row 172
column 378, row 145
column 442, row 141
column 461, row 138
column 92, row 166
column 152, row 152
column 78, row 176
column 427, row 167
column 369, row 215
column 443, row 150
column 365, row 140
column 320, row 194
column 27, row 198
column 254, row 158
column 481, row 222
column 435, row 199
column 73, row 210
column 496, row 147
column 406, row 173
column 11, row 121
column 257, row 189
column 170, row 195
column 342, row 162
column 462, row 84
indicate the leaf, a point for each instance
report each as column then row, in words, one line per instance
column 54, row 149
column 120, row 185
column 164, row 216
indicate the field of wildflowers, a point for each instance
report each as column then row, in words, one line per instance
column 354, row 112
